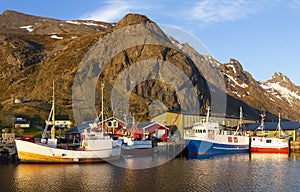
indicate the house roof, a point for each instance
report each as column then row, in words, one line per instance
column 120, row 121
column 146, row 125
column 62, row 117
column 286, row 125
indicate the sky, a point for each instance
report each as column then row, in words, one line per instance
column 264, row 35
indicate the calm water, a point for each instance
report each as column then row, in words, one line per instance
column 243, row 172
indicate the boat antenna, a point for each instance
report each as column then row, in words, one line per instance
column 102, row 106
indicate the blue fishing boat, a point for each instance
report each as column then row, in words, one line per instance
column 208, row 138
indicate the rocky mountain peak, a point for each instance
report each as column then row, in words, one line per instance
column 132, row 19
column 11, row 13
column 235, row 65
column 279, row 77
column 282, row 80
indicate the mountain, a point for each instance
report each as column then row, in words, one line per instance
column 277, row 95
column 35, row 51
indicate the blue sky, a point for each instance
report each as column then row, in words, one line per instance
column 264, row 35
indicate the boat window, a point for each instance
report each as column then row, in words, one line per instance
column 268, row 141
column 204, row 131
column 229, row 139
column 235, row 139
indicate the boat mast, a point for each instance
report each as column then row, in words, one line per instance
column 262, row 124
column 279, row 126
column 207, row 115
column 240, row 122
column 53, row 113
column 102, row 106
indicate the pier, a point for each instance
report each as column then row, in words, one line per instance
column 295, row 146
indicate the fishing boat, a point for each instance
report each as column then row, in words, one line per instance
column 208, row 138
column 265, row 144
column 131, row 146
column 138, row 144
column 96, row 145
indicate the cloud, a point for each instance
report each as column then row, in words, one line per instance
column 110, row 12
column 211, row 11
column 294, row 4
column 203, row 11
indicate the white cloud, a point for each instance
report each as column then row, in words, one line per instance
column 111, row 12
column 204, row 11
column 294, row 4
column 210, row 11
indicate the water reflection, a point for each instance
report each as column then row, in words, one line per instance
column 269, row 156
column 239, row 172
column 295, row 156
column 56, row 177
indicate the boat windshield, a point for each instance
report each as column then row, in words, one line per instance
column 199, row 131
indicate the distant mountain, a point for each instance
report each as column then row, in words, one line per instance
column 277, row 95
column 34, row 51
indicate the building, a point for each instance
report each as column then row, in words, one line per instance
column 291, row 129
column 8, row 137
column 20, row 121
column 61, row 121
column 152, row 129
column 187, row 120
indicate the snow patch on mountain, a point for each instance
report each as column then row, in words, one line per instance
column 54, row 36
column 275, row 88
column 85, row 23
column 233, row 68
column 28, row 28
column 243, row 85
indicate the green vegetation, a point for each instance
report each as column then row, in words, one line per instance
column 36, row 132
column 19, row 132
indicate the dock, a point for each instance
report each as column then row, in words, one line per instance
column 295, row 146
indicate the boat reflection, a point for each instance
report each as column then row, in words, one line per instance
column 269, row 156
column 294, row 156
column 211, row 156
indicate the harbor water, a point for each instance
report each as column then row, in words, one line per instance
column 237, row 172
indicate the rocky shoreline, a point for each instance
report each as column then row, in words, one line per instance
column 8, row 153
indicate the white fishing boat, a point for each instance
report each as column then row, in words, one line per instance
column 131, row 146
column 208, row 138
column 96, row 146
column 265, row 144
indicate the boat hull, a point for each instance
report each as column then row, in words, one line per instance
column 270, row 150
column 209, row 147
column 37, row 153
column 269, row 145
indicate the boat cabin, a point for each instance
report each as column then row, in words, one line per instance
column 206, row 130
